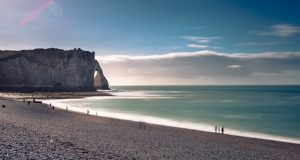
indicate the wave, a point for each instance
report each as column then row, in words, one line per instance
column 82, row 108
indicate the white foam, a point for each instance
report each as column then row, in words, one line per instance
column 162, row 121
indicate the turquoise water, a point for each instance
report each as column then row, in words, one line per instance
column 270, row 110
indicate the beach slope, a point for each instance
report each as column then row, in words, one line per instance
column 36, row 131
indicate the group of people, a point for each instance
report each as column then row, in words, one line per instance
column 219, row 129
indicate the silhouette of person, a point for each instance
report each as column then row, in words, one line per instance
column 216, row 128
column 222, row 129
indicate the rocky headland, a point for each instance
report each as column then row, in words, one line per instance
column 50, row 70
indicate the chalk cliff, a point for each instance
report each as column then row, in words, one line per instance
column 50, row 70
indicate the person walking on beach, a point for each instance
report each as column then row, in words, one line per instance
column 216, row 128
column 222, row 129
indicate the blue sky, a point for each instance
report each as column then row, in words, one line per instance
column 153, row 27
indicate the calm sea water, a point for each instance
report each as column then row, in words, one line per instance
column 271, row 112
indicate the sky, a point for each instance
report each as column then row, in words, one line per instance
column 166, row 42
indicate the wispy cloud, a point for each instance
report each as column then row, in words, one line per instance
column 257, row 44
column 204, row 67
column 197, row 46
column 280, row 30
column 200, row 39
column 201, row 42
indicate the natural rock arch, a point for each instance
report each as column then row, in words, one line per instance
column 100, row 82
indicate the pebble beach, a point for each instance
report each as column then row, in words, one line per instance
column 36, row 131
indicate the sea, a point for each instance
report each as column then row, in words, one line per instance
column 265, row 112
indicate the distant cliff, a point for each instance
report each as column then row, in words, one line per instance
column 50, row 70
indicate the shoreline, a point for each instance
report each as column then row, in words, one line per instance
column 172, row 123
column 41, row 97
column 80, row 135
column 50, row 95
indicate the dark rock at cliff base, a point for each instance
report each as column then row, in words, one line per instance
column 50, row 70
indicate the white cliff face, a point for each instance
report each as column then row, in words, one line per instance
column 49, row 69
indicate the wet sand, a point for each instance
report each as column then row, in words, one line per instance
column 36, row 131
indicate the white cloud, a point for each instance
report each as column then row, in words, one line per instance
column 114, row 58
column 203, row 53
column 197, row 46
column 200, row 39
column 280, row 30
column 201, row 42
column 203, row 67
